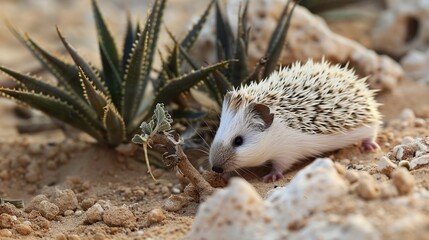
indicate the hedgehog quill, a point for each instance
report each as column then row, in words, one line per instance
column 297, row 112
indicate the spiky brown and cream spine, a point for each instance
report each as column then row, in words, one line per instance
column 317, row 98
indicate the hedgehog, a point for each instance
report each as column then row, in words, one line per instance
column 298, row 112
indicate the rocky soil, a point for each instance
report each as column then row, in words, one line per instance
column 74, row 189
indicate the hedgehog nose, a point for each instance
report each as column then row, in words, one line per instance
column 217, row 169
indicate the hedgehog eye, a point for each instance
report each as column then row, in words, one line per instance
column 238, row 141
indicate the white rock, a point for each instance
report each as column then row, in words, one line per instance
column 420, row 161
column 318, row 184
column 238, row 212
column 353, row 227
column 385, row 166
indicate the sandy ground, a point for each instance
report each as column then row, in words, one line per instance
column 31, row 164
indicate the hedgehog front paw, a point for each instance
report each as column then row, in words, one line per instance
column 273, row 176
column 368, row 146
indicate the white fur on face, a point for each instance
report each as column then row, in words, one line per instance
column 238, row 123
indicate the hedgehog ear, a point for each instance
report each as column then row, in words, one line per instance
column 263, row 112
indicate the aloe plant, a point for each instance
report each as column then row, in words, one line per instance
column 107, row 103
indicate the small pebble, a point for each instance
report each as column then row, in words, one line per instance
column 340, row 168
column 5, row 233
column 175, row 203
column 385, row 166
column 7, row 221
column 48, row 210
column 94, row 213
column 352, row 176
column 68, row 213
column 78, row 213
column 87, row 203
column 388, row 190
column 73, row 237
column 405, row 164
column 65, row 200
column 367, row 188
column 119, row 217
column 61, row 237
column 419, row 122
column 156, row 216
column 403, row 181
column 23, row 229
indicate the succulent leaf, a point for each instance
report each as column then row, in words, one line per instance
column 132, row 79
column 80, row 62
column 128, row 45
column 94, row 97
column 224, row 35
column 105, row 39
column 194, row 32
column 152, row 34
column 185, row 82
column 278, row 39
column 114, row 125
column 32, row 84
column 112, row 77
column 66, row 73
column 55, row 108
column 209, row 81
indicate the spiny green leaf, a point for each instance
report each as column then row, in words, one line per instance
column 193, row 33
column 150, row 47
column 128, row 45
column 111, row 77
column 94, row 97
column 132, row 79
column 239, row 69
column 278, row 39
column 33, row 84
column 114, row 125
column 185, row 82
column 86, row 67
column 55, row 108
column 222, row 83
column 224, row 35
column 209, row 81
column 105, row 38
column 67, row 74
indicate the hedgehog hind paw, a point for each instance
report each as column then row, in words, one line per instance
column 273, row 176
column 369, row 146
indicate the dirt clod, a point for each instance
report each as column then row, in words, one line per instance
column 119, row 217
column 23, row 229
column 94, row 213
column 367, row 188
column 403, row 181
column 175, row 203
column 7, row 221
column 5, row 233
column 65, row 200
column 156, row 216
column 48, row 210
